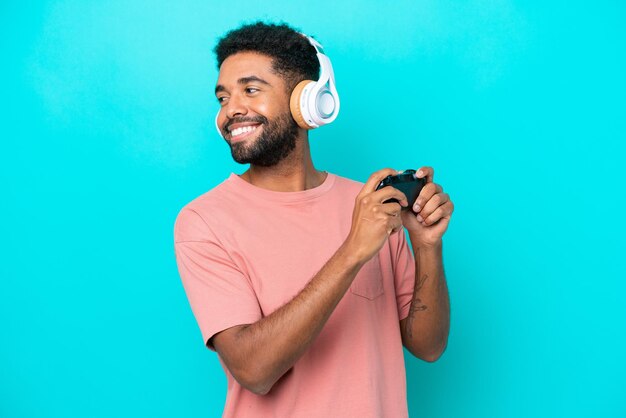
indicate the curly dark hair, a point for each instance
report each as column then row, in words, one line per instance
column 293, row 56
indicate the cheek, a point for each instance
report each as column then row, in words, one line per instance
column 272, row 107
column 261, row 107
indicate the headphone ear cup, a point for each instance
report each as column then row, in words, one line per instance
column 294, row 104
column 217, row 126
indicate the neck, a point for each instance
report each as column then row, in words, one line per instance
column 295, row 173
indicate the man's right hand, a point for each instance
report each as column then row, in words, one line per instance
column 372, row 220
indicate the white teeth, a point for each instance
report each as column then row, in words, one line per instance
column 242, row 130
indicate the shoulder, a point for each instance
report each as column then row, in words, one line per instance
column 194, row 219
column 346, row 185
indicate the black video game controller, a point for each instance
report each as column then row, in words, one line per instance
column 407, row 183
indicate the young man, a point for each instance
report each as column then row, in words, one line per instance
column 301, row 280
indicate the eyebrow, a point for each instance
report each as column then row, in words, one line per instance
column 243, row 80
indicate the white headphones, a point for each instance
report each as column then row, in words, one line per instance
column 313, row 103
column 316, row 103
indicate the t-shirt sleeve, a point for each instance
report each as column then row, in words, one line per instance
column 219, row 294
column 404, row 272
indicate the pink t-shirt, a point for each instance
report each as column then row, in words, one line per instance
column 243, row 252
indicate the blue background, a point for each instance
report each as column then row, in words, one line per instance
column 106, row 130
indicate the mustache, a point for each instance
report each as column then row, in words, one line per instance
column 252, row 119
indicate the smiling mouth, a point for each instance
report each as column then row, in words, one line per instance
column 242, row 132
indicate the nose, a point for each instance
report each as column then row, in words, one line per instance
column 236, row 106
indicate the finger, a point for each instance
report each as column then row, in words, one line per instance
column 426, row 193
column 384, row 211
column 375, row 179
column 387, row 193
column 393, row 225
column 433, row 203
column 427, row 172
column 443, row 211
column 398, row 228
column 392, row 208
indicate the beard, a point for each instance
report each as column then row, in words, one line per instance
column 276, row 141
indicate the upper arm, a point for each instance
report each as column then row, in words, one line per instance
column 219, row 292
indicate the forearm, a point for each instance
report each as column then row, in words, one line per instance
column 425, row 330
column 262, row 352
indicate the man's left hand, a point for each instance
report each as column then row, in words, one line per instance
column 434, row 209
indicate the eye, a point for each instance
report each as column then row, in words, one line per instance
column 221, row 99
column 251, row 90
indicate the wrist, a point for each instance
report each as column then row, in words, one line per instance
column 434, row 246
column 350, row 254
